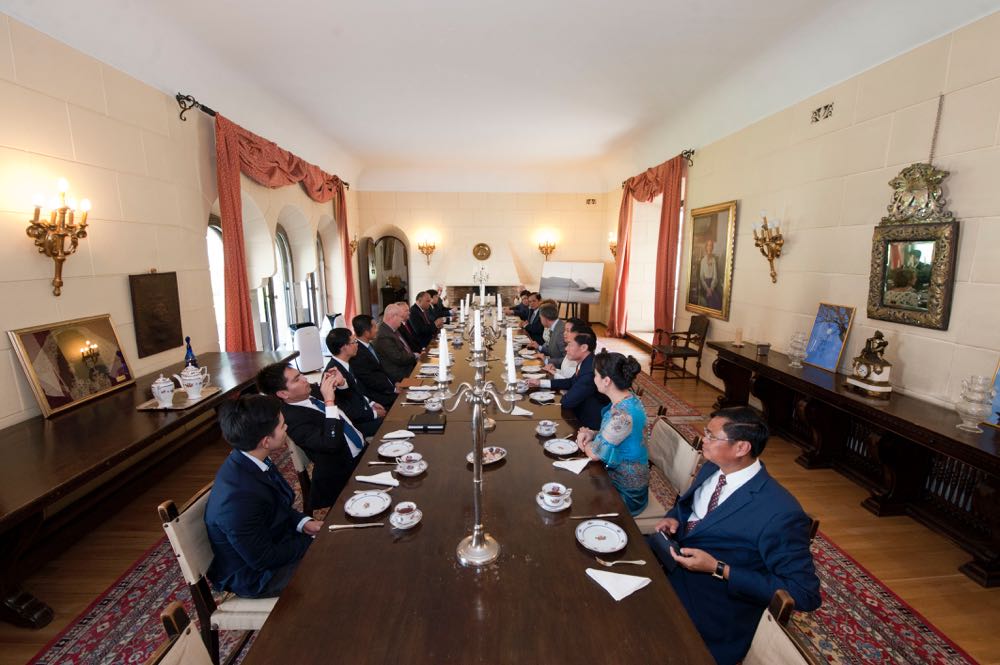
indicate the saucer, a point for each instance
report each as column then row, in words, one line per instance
column 543, row 396
column 411, row 469
column 395, row 448
column 397, row 522
column 541, row 502
column 367, row 504
column 545, row 432
column 418, row 396
column 491, row 454
column 561, row 446
column 433, row 409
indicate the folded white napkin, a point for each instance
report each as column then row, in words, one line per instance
column 398, row 434
column 384, row 478
column 518, row 411
column 618, row 585
column 576, row 466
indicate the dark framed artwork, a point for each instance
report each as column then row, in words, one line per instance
column 156, row 311
column 71, row 361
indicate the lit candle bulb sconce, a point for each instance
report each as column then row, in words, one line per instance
column 58, row 236
column 768, row 239
column 613, row 243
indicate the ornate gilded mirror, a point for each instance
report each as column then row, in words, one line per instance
column 913, row 252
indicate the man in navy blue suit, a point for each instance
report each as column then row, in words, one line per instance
column 581, row 391
column 256, row 535
column 741, row 536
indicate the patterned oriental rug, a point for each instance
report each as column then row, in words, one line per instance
column 861, row 621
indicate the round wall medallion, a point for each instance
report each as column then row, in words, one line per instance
column 482, row 251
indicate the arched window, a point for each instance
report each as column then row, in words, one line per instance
column 216, row 267
column 281, row 292
column 317, row 285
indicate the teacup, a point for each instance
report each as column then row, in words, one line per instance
column 409, row 458
column 546, row 424
column 406, row 511
column 546, row 430
column 518, row 361
column 555, row 494
column 433, row 404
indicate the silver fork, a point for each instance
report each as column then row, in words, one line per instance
column 609, row 564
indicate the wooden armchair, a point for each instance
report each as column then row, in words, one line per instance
column 683, row 345
column 774, row 643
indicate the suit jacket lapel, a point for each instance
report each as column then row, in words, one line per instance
column 735, row 502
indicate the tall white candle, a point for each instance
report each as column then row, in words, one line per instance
column 478, row 331
column 482, row 294
column 499, row 301
column 461, row 311
column 442, row 358
column 511, row 372
column 445, row 356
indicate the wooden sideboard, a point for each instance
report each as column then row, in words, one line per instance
column 907, row 452
column 55, row 470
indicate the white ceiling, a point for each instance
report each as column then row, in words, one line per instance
column 485, row 83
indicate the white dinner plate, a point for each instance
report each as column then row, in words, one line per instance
column 418, row 396
column 395, row 448
column 560, row 446
column 428, row 369
column 398, row 434
column 540, row 500
column 543, row 396
column 528, row 353
column 534, row 375
column 411, row 468
column 491, row 454
column 601, row 536
column 366, row 504
column 397, row 521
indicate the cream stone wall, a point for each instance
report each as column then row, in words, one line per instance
column 827, row 182
column 509, row 222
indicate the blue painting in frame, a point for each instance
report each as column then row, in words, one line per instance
column 829, row 335
column 994, row 417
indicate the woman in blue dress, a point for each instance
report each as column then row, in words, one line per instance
column 619, row 443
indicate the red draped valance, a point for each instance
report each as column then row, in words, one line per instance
column 241, row 151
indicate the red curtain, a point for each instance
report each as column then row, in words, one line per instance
column 663, row 179
column 239, row 150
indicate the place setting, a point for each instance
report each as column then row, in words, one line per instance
column 554, row 497
column 543, row 397
column 491, row 455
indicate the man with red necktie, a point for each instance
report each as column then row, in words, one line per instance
column 742, row 537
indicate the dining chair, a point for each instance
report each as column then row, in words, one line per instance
column 188, row 536
column 773, row 643
column 675, row 462
column 183, row 646
column 682, row 345
column 301, row 463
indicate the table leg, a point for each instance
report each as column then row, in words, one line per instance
column 986, row 501
column 826, row 432
column 904, row 468
column 737, row 383
column 17, row 606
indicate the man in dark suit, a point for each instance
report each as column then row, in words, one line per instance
column 521, row 309
column 581, row 394
column 365, row 413
column 398, row 356
column 316, row 425
column 438, row 309
column 533, row 327
column 742, row 537
column 422, row 321
column 367, row 366
column 256, row 536
column 554, row 349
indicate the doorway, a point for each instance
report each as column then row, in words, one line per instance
column 385, row 273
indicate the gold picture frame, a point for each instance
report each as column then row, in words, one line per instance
column 715, row 224
column 70, row 362
column 828, row 336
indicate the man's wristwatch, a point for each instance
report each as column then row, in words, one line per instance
column 720, row 568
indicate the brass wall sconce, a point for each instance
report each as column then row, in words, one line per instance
column 353, row 244
column 768, row 240
column 427, row 248
column 546, row 247
column 58, row 236
column 613, row 243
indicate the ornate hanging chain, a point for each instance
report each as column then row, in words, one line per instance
column 937, row 126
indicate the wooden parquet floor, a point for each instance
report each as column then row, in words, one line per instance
column 915, row 563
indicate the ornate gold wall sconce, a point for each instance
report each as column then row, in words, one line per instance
column 546, row 243
column 427, row 247
column 613, row 243
column 353, row 245
column 768, row 240
column 58, row 236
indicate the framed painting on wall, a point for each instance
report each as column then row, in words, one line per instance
column 710, row 267
column 829, row 335
column 71, row 361
column 156, row 310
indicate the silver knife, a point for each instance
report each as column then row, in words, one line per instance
column 337, row 527
column 588, row 517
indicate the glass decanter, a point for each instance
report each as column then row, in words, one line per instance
column 797, row 349
column 976, row 403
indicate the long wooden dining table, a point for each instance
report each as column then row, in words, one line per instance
column 382, row 595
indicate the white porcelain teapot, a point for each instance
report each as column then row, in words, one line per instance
column 163, row 391
column 193, row 380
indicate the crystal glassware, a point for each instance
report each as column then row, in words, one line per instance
column 797, row 349
column 977, row 400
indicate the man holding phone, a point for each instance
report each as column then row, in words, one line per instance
column 734, row 538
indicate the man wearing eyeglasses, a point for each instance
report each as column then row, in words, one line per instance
column 738, row 536
column 365, row 413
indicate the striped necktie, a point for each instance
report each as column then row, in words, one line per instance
column 713, row 503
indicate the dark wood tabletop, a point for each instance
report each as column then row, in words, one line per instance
column 45, row 459
column 382, row 595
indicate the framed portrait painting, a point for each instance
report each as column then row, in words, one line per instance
column 710, row 269
column 71, row 361
column 829, row 335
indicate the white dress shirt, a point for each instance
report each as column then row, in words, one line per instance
column 333, row 412
column 263, row 467
column 734, row 481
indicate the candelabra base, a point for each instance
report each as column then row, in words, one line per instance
column 478, row 554
column 478, row 363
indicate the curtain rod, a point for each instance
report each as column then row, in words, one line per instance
column 188, row 102
column 686, row 154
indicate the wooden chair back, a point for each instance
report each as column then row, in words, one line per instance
column 183, row 646
column 673, row 455
column 773, row 643
column 301, row 463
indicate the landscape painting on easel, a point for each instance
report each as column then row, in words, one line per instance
column 569, row 281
